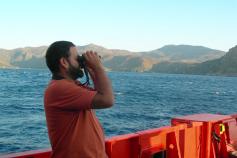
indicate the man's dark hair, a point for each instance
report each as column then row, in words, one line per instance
column 55, row 52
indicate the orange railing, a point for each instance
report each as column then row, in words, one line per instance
column 194, row 136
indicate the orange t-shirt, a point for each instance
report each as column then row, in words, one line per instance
column 74, row 131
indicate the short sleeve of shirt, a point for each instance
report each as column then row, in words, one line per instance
column 68, row 95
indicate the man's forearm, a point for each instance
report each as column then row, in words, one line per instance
column 94, row 81
column 103, row 84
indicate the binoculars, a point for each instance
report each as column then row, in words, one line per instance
column 82, row 61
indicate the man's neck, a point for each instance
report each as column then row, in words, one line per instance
column 57, row 77
column 60, row 76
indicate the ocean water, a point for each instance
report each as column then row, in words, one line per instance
column 143, row 101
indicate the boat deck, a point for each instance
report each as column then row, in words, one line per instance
column 192, row 136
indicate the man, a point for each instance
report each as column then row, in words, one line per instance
column 74, row 131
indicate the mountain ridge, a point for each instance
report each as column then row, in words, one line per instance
column 121, row 60
column 226, row 65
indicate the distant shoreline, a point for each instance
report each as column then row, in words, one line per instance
column 221, row 75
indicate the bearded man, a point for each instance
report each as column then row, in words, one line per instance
column 73, row 129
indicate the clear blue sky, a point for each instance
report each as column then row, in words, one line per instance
column 136, row 25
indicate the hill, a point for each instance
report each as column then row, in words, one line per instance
column 170, row 58
column 225, row 65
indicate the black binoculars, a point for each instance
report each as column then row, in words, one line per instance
column 82, row 61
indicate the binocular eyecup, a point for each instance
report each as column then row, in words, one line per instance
column 82, row 61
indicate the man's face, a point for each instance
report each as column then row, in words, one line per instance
column 74, row 70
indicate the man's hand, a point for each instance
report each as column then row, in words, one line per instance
column 93, row 60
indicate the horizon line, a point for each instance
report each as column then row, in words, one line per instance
column 120, row 48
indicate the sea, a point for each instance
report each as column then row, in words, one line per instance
column 142, row 101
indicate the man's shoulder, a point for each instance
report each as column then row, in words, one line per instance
column 58, row 89
column 66, row 86
column 59, row 85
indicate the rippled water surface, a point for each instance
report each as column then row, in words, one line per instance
column 143, row 101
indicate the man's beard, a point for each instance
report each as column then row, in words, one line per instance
column 75, row 72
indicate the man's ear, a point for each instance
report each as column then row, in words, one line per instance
column 63, row 63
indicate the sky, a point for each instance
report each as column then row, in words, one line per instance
column 135, row 25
